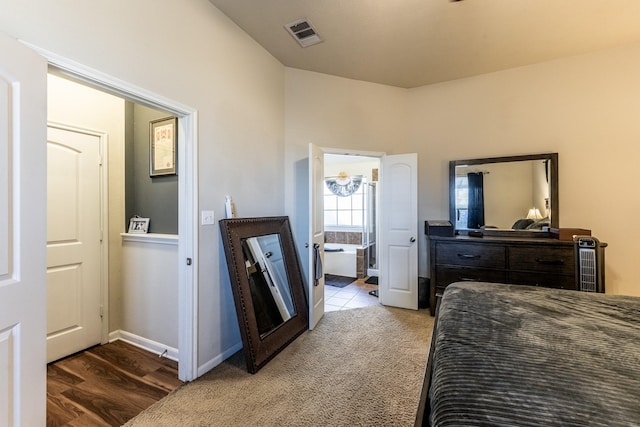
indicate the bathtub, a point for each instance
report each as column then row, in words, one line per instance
column 342, row 263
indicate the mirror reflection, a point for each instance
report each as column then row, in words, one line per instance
column 518, row 193
column 268, row 284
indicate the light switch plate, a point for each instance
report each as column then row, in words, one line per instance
column 207, row 218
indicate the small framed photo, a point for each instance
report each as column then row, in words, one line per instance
column 138, row 225
column 162, row 146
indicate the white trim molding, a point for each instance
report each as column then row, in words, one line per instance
column 151, row 346
column 210, row 364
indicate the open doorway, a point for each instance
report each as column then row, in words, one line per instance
column 350, row 230
column 98, row 177
column 396, row 235
column 158, row 249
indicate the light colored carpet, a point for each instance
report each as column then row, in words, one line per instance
column 360, row 367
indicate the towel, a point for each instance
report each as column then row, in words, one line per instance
column 317, row 264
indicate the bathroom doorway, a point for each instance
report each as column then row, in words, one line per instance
column 350, row 230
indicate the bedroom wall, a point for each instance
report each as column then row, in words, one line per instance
column 334, row 112
column 583, row 107
column 194, row 55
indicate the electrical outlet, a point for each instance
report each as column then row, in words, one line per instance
column 207, row 218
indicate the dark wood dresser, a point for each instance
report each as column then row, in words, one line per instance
column 519, row 260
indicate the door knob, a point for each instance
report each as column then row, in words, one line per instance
column 412, row 240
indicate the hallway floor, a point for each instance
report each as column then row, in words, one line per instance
column 354, row 295
column 107, row 385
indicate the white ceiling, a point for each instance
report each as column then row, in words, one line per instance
column 410, row 43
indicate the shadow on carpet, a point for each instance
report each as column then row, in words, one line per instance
column 338, row 281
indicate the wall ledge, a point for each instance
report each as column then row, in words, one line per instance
column 155, row 238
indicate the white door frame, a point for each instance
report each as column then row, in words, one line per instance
column 187, row 201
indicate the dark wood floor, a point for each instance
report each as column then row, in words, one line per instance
column 107, row 385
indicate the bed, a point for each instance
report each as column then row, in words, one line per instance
column 513, row 355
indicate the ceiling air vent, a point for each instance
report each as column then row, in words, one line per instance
column 303, row 32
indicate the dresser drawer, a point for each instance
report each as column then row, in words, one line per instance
column 447, row 275
column 471, row 255
column 547, row 280
column 556, row 260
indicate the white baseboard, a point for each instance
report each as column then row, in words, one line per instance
column 170, row 352
column 145, row 344
column 212, row 363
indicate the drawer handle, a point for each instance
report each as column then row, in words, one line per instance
column 550, row 261
column 467, row 279
column 468, row 256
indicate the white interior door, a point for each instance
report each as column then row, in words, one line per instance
column 23, row 121
column 316, row 235
column 398, row 279
column 74, row 241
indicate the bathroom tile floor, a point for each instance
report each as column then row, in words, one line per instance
column 354, row 295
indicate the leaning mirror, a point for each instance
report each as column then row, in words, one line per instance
column 267, row 285
column 515, row 193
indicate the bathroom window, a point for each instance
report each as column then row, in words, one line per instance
column 344, row 212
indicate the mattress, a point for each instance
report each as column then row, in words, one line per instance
column 512, row 355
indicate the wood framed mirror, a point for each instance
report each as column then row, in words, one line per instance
column 267, row 285
column 516, row 193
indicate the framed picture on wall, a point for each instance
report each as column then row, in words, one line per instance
column 138, row 225
column 163, row 142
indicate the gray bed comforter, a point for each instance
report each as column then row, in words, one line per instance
column 509, row 355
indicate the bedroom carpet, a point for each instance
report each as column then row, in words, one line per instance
column 358, row 367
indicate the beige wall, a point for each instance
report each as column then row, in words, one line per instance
column 200, row 59
column 150, row 290
column 80, row 106
column 584, row 107
column 335, row 112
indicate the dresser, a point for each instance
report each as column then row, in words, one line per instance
column 536, row 261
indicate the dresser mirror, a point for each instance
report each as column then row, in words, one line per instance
column 504, row 193
column 267, row 285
